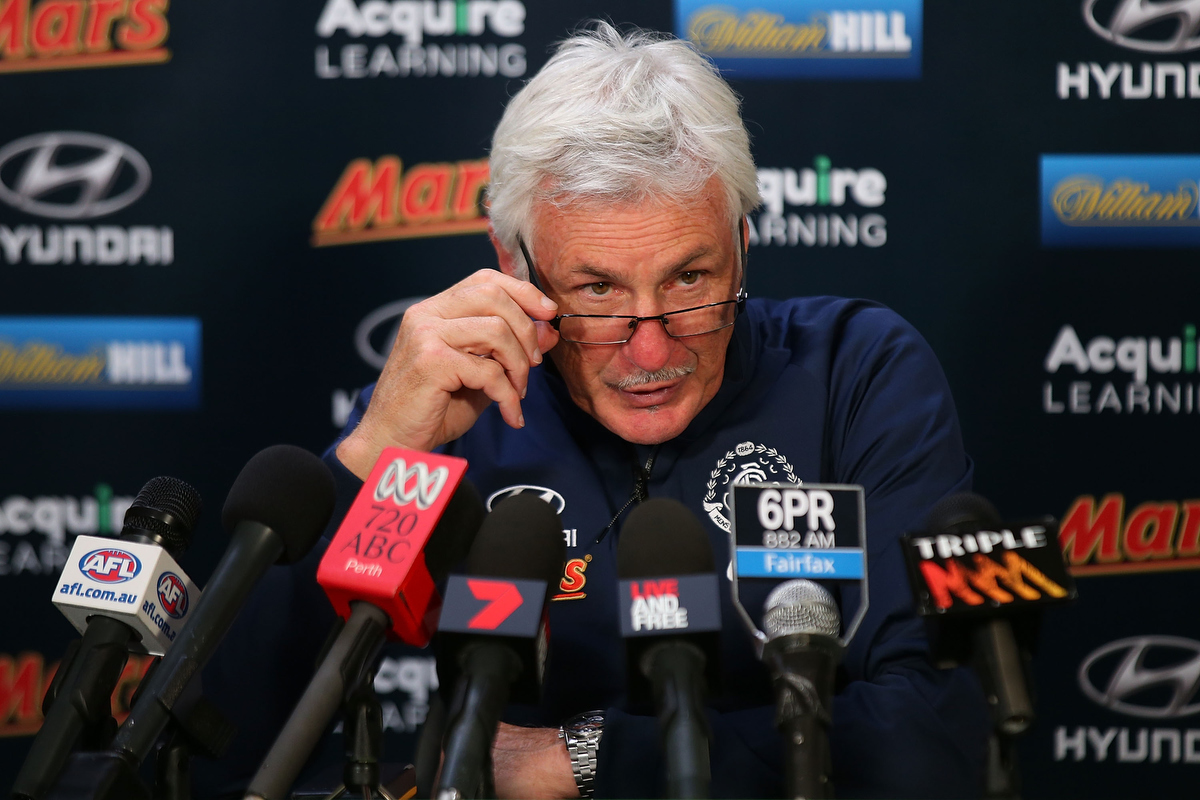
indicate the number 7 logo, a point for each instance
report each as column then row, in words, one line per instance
column 505, row 599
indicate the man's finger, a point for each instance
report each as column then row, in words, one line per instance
column 490, row 337
column 487, row 376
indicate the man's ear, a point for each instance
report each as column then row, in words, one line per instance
column 509, row 262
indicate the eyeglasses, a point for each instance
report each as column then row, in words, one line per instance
column 619, row 328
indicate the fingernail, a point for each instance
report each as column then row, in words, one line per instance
column 537, row 356
column 549, row 304
column 523, row 392
column 521, row 421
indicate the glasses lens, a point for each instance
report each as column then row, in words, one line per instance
column 594, row 330
column 701, row 320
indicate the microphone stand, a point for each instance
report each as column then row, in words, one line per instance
column 1000, row 664
column 363, row 732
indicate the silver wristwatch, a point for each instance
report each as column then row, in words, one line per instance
column 582, row 735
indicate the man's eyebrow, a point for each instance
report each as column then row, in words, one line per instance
column 608, row 276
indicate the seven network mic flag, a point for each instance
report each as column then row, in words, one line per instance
column 213, row 218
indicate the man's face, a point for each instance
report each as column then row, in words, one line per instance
column 640, row 260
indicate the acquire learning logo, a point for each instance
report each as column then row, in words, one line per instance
column 806, row 38
column 1120, row 201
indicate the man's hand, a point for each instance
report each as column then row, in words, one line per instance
column 455, row 353
column 531, row 763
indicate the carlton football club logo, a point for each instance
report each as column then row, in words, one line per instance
column 404, row 484
column 746, row 463
column 172, row 594
column 110, row 565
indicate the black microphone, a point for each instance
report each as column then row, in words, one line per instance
column 801, row 621
column 986, row 635
column 276, row 510
column 350, row 659
column 981, row 586
column 77, row 706
column 671, row 619
column 493, row 634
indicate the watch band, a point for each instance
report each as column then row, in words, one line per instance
column 582, row 736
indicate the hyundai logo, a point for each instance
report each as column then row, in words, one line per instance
column 70, row 175
column 375, row 335
column 1144, row 676
column 1128, row 24
column 552, row 497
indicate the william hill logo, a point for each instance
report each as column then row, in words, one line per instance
column 789, row 38
column 1151, row 200
column 387, row 200
column 74, row 34
column 1105, row 538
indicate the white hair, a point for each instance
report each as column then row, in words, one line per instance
column 618, row 118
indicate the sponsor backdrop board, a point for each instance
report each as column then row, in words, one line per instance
column 212, row 216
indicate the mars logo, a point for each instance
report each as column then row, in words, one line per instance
column 110, row 565
column 71, row 34
column 746, row 463
column 404, row 484
column 384, row 200
column 1102, row 538
column 172, row 594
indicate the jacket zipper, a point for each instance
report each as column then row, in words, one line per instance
column 641, row 490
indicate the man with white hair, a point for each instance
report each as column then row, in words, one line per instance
column 621, row 175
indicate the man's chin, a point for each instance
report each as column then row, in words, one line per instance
column 650, row 425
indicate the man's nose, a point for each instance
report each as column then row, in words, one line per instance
column 650, row 347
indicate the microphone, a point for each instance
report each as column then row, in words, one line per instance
column 379, row 571
column 981, row 586
column 671, row 618
column 122, row 596
column 277, row 508
column 494, row 635
column 802, row 652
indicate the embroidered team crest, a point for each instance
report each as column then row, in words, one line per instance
column 746, row 463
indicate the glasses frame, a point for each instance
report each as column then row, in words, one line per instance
column 634, row 321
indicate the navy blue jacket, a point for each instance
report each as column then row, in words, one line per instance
column 815, row 389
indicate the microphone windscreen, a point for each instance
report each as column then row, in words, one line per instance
column 520, row 539
column 964, row 512
column 663, row 537
column 167, row 510
column 289, row 490
column 451, row 540
column 800, row 606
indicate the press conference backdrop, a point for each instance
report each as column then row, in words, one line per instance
column 213, row 214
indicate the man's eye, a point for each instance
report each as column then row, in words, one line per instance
column 600, row 289
column 689, row 278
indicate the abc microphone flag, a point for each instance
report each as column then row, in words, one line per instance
column 415, row 517
column 378, row 554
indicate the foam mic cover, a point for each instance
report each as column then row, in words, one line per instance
column 287, row 489
column 513, row 567
column 964, row 512
column 669, row 589
column 451, row 540
column 276, row 509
